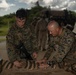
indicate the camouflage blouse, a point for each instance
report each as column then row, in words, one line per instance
column 60, row 46
column 13, row 38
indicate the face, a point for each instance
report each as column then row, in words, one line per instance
column 20, row 22
column 52, row 30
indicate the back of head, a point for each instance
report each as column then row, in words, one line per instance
column 21, row 13
column 53, row 23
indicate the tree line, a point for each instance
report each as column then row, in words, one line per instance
column 32, row 13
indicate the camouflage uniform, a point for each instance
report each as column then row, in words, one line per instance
column 13, row 38
column 62, row 47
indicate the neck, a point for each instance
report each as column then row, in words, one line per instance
column 60, row 31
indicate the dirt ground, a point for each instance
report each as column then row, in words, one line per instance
column 35, row 72
column 3, row 52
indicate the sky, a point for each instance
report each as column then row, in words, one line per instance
column 10, row 6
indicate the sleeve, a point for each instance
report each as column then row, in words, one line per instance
column 48, row 53
column 63, row 48
column 50, row 48
column 11, row 49
column 34, row 42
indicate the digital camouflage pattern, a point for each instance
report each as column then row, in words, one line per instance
column 17, row 35
column 62, row 47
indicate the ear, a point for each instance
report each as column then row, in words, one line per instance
column 57, row 29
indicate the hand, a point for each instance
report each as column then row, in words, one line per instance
column 43, row 66
column 44, row 60
column 41, row 62
column 18, row 64
column 34, row 55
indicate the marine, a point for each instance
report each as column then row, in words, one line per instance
column 20, row 41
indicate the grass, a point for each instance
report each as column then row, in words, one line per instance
column 2, row 39
column 3, row 30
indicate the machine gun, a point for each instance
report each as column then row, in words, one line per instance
column 23, row 50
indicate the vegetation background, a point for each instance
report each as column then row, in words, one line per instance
column 7, row 20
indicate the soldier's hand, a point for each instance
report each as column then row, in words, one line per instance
column 43, row 66
column 18, row 64
column 43, row 61
column 34, row 55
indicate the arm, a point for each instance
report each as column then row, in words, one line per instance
column 11, row 49
column 63, row 48
column 34, row 43
column 48, row 52
column 50, row 48
column 33, row 39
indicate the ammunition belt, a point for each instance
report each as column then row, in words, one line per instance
column 27, row 64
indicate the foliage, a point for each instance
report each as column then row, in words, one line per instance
column 3, row 30
column 34, row 12
column 6, row 20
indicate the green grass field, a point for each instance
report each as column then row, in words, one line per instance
column 2, row 39
column 3, row 30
